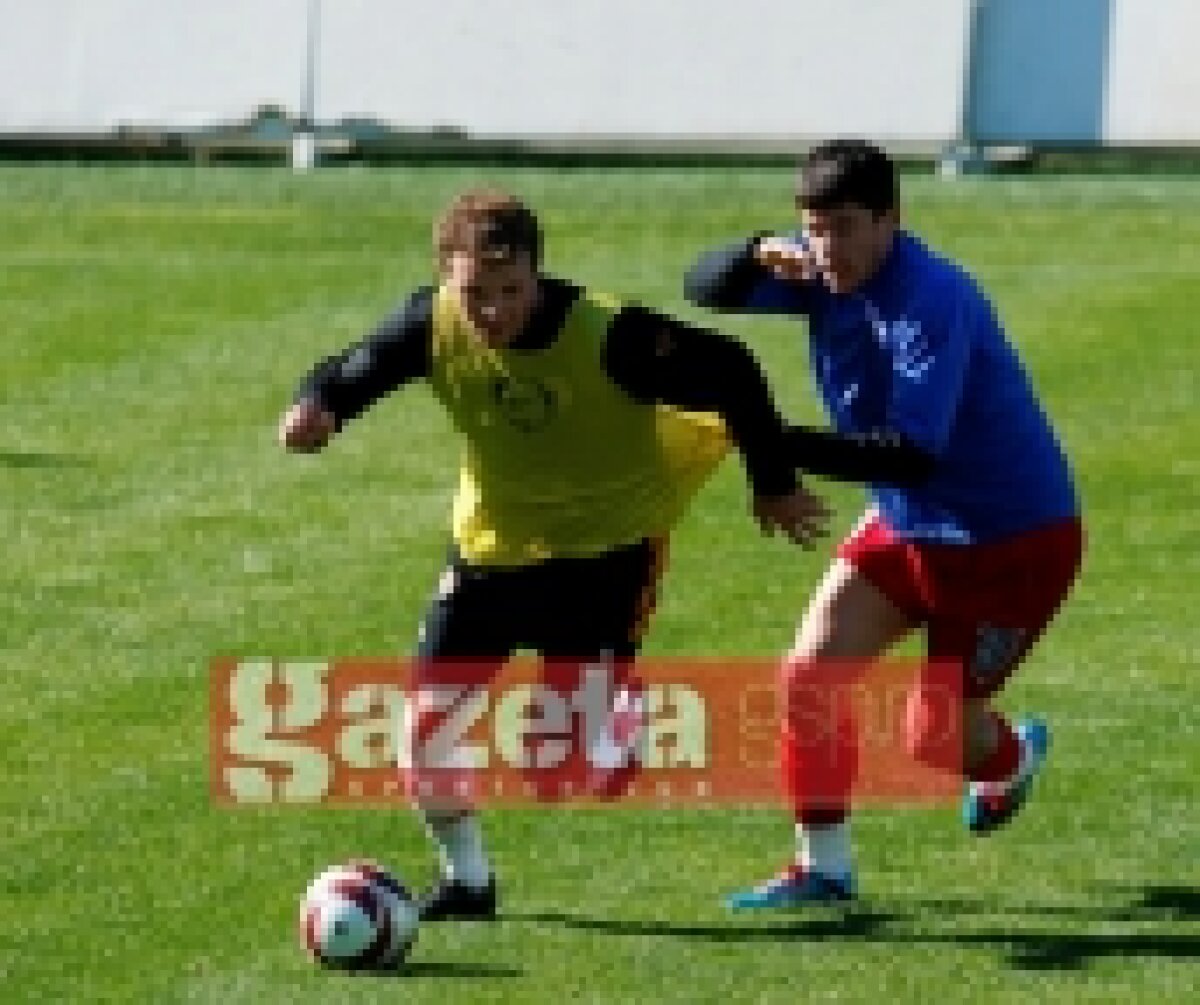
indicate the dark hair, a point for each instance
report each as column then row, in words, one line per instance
column 847, row 172
column 487, row 222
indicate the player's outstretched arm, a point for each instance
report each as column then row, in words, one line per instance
column 655, row 358
column 766, row 273
column 344, row 386
column 879, row 458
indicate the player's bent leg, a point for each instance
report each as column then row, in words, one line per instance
column 466, row 889
column 849, row 620
column 462, row 639
column 999, row 597
column 1002, row 781
column 582, row 615
column 594, row 614
column 1000, row 759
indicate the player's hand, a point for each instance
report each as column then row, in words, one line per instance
column 306, row 427
column 800, row 514
column 786, row 259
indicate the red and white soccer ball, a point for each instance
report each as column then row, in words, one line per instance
column 358, row 916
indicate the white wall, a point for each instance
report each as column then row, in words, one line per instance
column 92, row 65
column 1154, row 72
column 1089, row 70
column 657, row 67
column 530, row 67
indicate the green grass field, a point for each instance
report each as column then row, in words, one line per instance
column 154, row 322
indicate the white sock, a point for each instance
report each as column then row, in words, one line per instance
column 825, row 849
column 460, row 843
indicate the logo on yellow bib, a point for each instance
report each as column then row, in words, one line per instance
column 526, row 405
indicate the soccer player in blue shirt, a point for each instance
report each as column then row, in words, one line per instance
column 972, row 533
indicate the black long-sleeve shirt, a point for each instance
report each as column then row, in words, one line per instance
column 650, row 356
column 724, row 280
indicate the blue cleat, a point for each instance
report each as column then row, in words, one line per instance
column 794, row 887
column 989, row 805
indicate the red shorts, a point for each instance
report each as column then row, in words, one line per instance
column 983, row 605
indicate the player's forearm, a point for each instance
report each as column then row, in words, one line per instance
column 724, row 278
column 874, row 458
column 767, row 274
column 656, row 358
column 397, row 353
column 335, row 387
column 347, row 385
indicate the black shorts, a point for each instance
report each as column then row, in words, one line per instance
column 563, row 608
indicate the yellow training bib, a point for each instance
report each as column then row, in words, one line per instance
column 559, row 460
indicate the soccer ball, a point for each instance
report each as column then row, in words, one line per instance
column 357, row 917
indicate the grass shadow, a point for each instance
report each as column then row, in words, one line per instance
column 1076, row 950
column 831, row 923
column 1025, row 950
column 445, row 968
column 1151, row 902
column 1163, row 900
column 34, row 459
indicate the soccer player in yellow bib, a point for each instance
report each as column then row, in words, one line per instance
column 589, row 425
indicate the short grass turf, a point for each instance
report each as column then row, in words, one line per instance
column 154, row 322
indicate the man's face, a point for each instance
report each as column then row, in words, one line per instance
column 849, row 243
column 498, row 294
